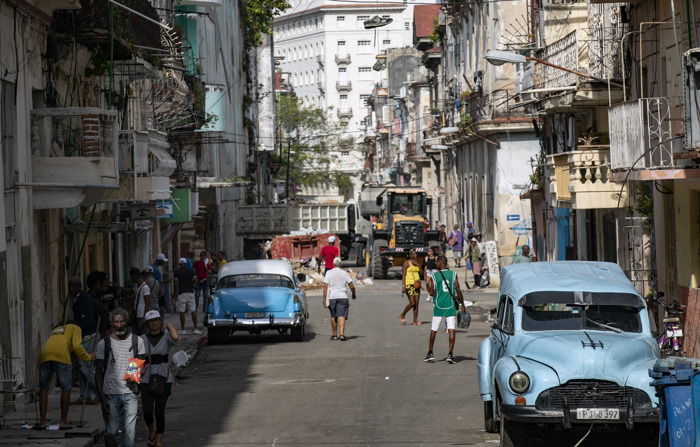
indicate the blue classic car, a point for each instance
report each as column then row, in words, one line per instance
column 571, row 346
column 256, row 296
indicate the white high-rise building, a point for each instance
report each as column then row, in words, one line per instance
column 330, row 56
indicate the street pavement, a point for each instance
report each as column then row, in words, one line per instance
column 372, row 390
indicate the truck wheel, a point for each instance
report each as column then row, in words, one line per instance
column 513, row 434
column 361, row 255
column 379, row 265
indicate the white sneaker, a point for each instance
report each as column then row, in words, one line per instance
column 196, row 331
column 183, row 332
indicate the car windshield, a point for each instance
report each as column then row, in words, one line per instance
column 254, row 280
column 557, row 316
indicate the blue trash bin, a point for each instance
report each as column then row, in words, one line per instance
column 674, row 378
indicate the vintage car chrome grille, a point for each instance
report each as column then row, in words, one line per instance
column 409, row 234
column 591, row 394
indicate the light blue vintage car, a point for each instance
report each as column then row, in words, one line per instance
column 571, row 346
column 255, row 296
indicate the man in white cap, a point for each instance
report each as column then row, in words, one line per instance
column 160, row 260
column 328, row 254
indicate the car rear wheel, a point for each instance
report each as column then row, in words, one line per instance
column 298, row 333
column 490, row 423
column 217, row 336
column 513, row 434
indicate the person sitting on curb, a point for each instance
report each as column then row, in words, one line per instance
column 55, row 358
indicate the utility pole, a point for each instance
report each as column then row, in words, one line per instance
column 289, row 151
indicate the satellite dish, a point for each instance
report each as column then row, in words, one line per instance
column 439, row 192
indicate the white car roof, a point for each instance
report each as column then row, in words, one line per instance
column 269, row 266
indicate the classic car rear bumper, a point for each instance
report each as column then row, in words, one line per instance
column 628, row 416
column 261, row 323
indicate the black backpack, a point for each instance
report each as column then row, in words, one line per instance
column 102, row 313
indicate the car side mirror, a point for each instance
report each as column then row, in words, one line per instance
column 301, row 277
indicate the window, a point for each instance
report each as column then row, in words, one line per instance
column 364, row 46
column 364, row 99
column 341, row 21
column 343, row 97
column 365, row 73
column 362, row 19
column 386, row 42
column 407, row 26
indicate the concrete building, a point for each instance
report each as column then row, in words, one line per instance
column 330, row 56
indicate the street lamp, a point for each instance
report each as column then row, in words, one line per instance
column 497, row 57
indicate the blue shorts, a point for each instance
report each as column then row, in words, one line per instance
column 339, row 308
column 64, row 374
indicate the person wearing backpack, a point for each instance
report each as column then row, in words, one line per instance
column 118, row 397
column 447, row 296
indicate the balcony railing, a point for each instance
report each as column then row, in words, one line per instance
column 342, row 58
column 90, row 25
column 343, row 86
column 642, row 133
column 487, row 107
column 594, row 51
column 345, row 112
column 74, row 155
column 582, row 179
column 321, row 85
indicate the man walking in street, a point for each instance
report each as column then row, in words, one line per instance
column 456, row 241
column 55, row 358
column 155, row 288
column 328, row 254
column 143, row 297
column 335, row 298
column 443, row 288
column 202, row 269
column 185, row 279
column 524, row 257
column 117, row 396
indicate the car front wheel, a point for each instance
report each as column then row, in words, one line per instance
column 513, row 434
column 490, row 423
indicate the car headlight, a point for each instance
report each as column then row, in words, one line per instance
column 519, row 382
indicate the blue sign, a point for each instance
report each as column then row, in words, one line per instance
column 512, row 217
column 164, row 209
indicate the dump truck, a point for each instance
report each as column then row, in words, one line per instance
column 260, row 223
column 398, row 214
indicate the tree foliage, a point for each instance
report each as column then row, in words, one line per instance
column 312, row 137
column 259, row 18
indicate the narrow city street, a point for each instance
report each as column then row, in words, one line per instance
column 373, row 389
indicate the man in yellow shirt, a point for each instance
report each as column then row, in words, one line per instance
column 55, row 358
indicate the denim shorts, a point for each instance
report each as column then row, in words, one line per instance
column 64, row 374
column 339, row 308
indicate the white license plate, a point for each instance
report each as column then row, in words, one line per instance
column 598, row 413
column 674, row 333
column 255, row 315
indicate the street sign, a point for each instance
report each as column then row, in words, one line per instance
column 164, row 209
column 181, row 206
column 513, row 217
column 143, row 211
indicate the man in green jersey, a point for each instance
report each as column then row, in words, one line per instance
column 443, row 286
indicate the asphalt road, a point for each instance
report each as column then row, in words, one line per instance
column 373, row 389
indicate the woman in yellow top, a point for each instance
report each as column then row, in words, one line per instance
column 409, row 280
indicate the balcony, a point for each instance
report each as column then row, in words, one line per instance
column 381, row 55
column 321, row 84
column 342, row 59
column 582, row 180
column 343, row 86
column 345, row 112
column 320, row 59
column 592, row 51
column 90, row 25
column 213, row 3
column 49, row 6
column 643, row 136
column 494, row 106
column 74, row 156
column 558, row 166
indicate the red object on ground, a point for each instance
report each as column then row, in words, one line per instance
column 300, row 247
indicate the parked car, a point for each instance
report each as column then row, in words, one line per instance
column 571, row 346
column 255, row 296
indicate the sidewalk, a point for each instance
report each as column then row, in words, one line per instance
column 15, row 427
